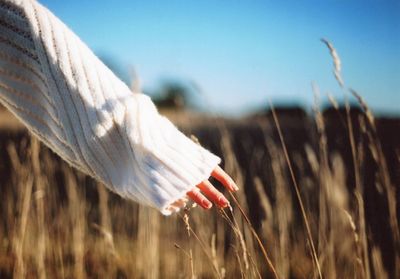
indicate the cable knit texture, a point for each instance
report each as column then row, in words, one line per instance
column 73, row 103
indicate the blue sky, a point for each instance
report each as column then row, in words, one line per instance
column 242, row 53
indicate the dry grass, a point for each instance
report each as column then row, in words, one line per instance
column 304, row 210
column 57, row 223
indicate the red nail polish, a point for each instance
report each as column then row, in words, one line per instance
column 206, row 204
column 223, row 201
column 233, row 186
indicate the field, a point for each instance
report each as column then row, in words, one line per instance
column 319, row 197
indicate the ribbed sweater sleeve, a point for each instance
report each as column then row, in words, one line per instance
column 74, row 104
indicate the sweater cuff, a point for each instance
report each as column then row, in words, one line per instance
column 172, row 163
column 189, row 165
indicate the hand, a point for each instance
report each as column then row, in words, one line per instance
column 205, row 191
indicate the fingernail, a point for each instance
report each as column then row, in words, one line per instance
column 222, row 201
column 207, row 204
column 234, row 186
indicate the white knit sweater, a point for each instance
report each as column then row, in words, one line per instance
column 73, row 103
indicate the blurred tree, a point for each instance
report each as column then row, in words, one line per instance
column 176, row 94
column 171, row 93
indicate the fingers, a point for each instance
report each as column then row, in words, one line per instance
column 198, row 197
column 225, row 179
column 213, row 194
column 210, row 192
column 180, row 203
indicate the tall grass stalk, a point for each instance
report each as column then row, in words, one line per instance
column 298, row 195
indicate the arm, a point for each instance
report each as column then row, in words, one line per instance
column 73, row 103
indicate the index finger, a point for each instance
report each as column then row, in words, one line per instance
column 224, row 178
